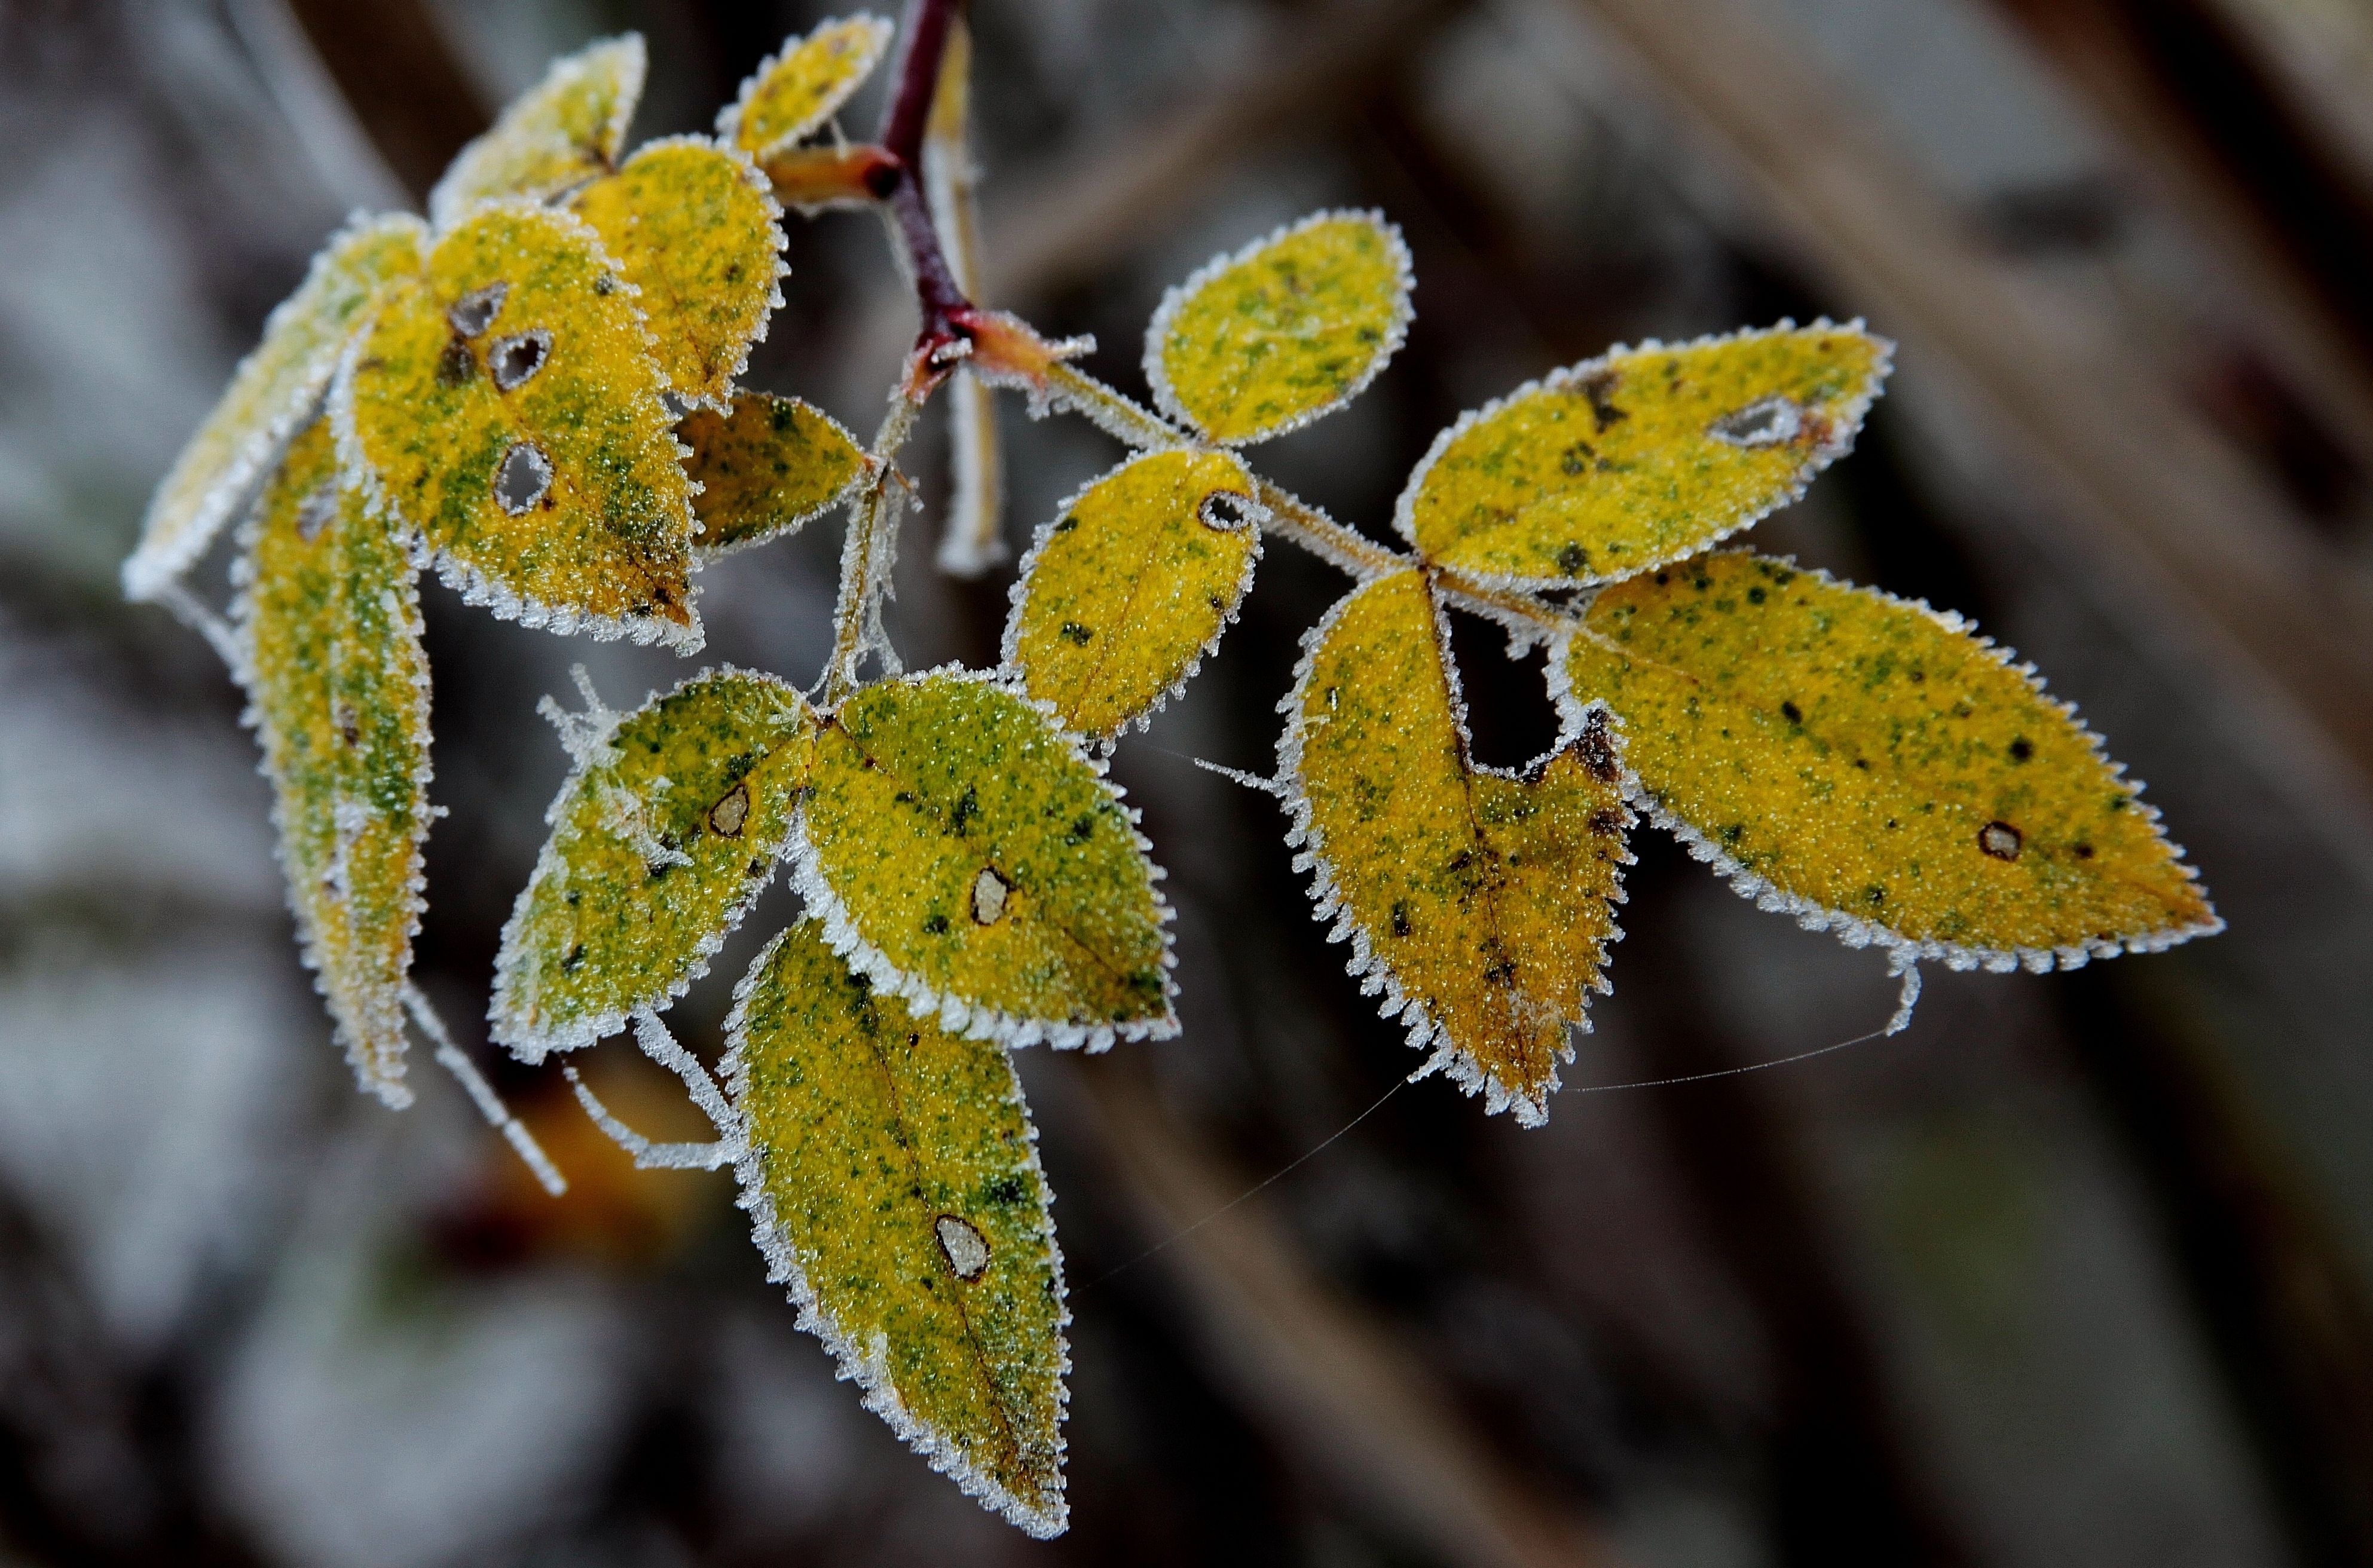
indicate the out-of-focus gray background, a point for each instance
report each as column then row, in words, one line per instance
column 2074, row 1272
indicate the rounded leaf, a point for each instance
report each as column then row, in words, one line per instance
column 1286, row 330
column 338, row 688
column 764, row 468
column 1128, row 590
column 662, row 836
column 552, row 138
column 274, row 390
column 965, row 855
column 1872, row 767
column 1641, row 457
column 505, row 411
column 796, row 90
column 893, row 1183
column 1479, row 902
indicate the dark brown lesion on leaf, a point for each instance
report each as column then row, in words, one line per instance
column 727, row 817
column 2001, row 840
column 457, row 366
column 1595, row 749
column 1600, row 388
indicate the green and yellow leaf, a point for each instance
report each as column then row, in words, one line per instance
column 965, row 856
column 1870, row 766
column 664, row 834
column 792, row 95
column 765, row 468
column 554, row 137
column 274, row 391
column 338, row 688
column 696, row 229
column 507, row 412
column 893, row 1185
column 1286, row 330
column 1640, row 458
column 1128, row 590
column 1479, row 902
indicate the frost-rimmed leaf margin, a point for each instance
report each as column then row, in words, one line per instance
column 1850, row 417
column 729, row 119
column 1405, row 284
column 1009, row 652
column 385, row 1081
column 1326, row 900
column 499, row 601
column 952, row 1013
column 446, row 208
column 877, row 1394
column 705, row 554
column 1904, row 951
column 589, row 743
column 146, row 573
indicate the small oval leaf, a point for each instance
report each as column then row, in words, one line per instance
column 273, row 392
column 893, row 1182
column 338, row 685
column 1640, row 458
column 505, row 412
column 1128, row 590
column 965, row 856
column 552, row 138
column 1479, row 902
column 1285, row 330
column 696, row 230
column 1871, row 767
column 799, row 88
column 765, row 468
column 664, row 834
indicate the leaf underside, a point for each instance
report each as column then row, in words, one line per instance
column 968, row 858
column 793, row 94
column 695, row 228
column 1868, row 759
column 1291, row 329
column 1131, row 586
column 661, row 838
column 508, row 412
column 895, row 1185
column 1482, row 903
column 1641, row 457
column 765, row 468
column 339, row 689
column 554, row 137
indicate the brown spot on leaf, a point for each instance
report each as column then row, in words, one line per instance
column 2000, row 839
column 726, row 818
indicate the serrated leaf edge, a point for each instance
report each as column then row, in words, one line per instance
column 447, row 209
column 729, row 119
column 706, row 553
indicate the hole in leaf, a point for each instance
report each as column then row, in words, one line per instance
column 2000, row 839
column 475, row 311
column 313, row 513
column 1224, row 511
column 725, row 818
column 965, row 1249
column 988, row 891
column 1767, row 421
column 516, row 358
column 522, row 479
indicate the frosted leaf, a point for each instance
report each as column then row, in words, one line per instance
column 560, row 499
column 1869, row 766
column 338, row 688
column 1479, row 904
column 274, row 390
column 664, row 834
column 1640, row 457
column 554, row 137
column 1131, row 586
column 893, row 1182
column 696, row 231
column 795, row 90
column 925, row 783
column 1286, row 330
column 766, row 466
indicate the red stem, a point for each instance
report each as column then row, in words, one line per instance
column 903, row 123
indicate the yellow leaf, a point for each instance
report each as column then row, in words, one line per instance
column 274, row 391
column 554, row 137
column 1870, row 766
column 1128, row 590
column 1479, row 902
column 965, row 856
column 765, row 468
column 1641, row 457
column 1286, row 330
column 505, row 412
column 665, row 832
column 696, row 230
column 893, row 1183
column 798, row 90
column 339, row 694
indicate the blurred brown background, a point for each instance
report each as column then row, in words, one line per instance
column 2074, row 1272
